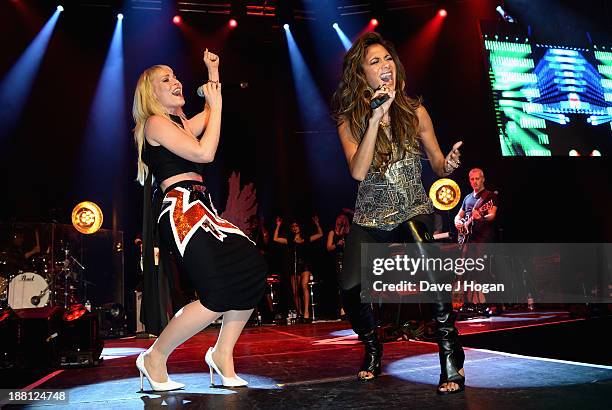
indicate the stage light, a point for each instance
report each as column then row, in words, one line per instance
column 60, row 8
column 286, row 26
column 237, row 11
column 595, row 153
column 74, row 312
column 346, row 42
column 113, row 320
column 574, row 153
column 18, row 82
column 374, row 22
column 504, row 15
column 87, row 217
column 442, row 13
column 4, row 315
column 79, row 343
column 177, row 20
column 99, row 160
column 445, row 194
column 120, row 16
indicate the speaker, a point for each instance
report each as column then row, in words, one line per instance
column 8, row 338
column 29, row 337
column 80, row 343
column 113, row 320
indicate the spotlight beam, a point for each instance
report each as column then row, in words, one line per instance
column 312, row 106
column 17, row 84
column 102, row 157
column 316, row 124
column 346, row 42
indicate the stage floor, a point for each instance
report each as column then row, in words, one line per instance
column 314, row 366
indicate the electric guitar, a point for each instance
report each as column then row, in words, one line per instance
column 463, row 233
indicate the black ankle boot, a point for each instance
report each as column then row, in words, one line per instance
column 373, row 354
column 451, row 352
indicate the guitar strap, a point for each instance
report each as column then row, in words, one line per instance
column 485, row 197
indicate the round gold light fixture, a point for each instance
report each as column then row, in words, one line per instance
column 445, row 194
column 87, row 217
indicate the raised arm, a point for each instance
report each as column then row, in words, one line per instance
column 161, row 131
column 278, row 239
column 441, row 165
column 198, row 123
column 319, row 233
column 359, row 155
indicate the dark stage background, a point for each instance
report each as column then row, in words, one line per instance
column 296, row 163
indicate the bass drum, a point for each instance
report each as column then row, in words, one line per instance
column 28, row 290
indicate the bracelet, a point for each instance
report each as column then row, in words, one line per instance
column 446, row 168
column 448, row 165
column 213, row 81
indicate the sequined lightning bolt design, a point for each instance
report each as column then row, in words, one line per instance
column 186, row 218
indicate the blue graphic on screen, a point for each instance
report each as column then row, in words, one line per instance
column 551, row 100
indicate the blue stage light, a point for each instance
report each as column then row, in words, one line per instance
column 107, row 123
column 16, row 86
column 346, row 42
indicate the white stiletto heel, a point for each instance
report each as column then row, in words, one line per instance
column 226, row 381
column 155, row 386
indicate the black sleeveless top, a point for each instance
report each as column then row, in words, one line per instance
column 158, row 283
column 163, row 163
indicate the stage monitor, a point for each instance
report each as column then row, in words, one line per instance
column 549, row 99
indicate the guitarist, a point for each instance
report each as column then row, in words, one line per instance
column 479, row 223
column 475, row 219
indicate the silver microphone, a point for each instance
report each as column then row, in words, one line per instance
column 230, row 86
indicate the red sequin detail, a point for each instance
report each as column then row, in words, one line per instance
column 196, row 213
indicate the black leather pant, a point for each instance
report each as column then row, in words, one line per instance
column 361, row 315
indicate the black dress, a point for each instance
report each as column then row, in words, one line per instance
column 299, row 257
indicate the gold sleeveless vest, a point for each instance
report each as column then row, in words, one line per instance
column 386, row 200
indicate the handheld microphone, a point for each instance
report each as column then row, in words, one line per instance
column 229, row 86
column 378, row 101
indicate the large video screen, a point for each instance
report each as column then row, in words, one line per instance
column 550, row 100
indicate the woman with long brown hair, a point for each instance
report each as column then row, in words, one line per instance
column 383, row 150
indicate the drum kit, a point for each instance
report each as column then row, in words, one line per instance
column 41, row 280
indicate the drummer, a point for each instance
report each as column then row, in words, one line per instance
column 21, row 250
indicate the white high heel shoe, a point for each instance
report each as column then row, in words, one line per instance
column 226, row 381
column 156, row 386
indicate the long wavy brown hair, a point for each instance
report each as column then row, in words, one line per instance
column 351, row 100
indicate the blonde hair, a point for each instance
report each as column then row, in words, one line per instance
column 343, row 221
column 476, row 171
column 145, row 105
